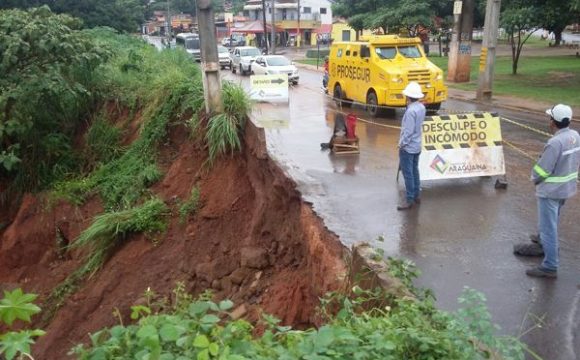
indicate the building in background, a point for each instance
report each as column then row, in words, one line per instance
column 315, row 20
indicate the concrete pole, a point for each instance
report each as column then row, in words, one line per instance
column 265, row 27
column 298, row 33
column 273, row 44
column 488, row 48
column 459, row 65
column 212, row 86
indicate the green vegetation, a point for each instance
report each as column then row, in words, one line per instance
column 553, row 79
column 223, row 130
column 190, row 206
column 103, row 143
column 16, row 305
column 102, row 238
column 355, row 329
column 311, row 61
column 48, row 70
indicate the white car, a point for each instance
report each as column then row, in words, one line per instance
column 224, row 57
column 243, row 57
column 276, row 64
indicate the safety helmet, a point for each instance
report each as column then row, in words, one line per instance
column 413, row 90
column 560, row 113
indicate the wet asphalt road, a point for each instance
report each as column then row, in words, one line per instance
column 463, row 232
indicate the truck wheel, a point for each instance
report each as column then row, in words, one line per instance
column 373, row 105
column 339, row 98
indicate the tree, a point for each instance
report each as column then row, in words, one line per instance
column 46, row 63
column 389, row 15
column 556, row 15
column 123, row 15
column 519, row 20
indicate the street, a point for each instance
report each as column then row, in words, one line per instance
column 463, row 232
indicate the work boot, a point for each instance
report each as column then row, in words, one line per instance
column 535, row 238
column 526, row 249
column 404, row 206
column 541, row 272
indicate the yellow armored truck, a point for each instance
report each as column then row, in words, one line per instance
column 375, row 70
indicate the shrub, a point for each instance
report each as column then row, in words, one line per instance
column 203, row 329
column 224, row 130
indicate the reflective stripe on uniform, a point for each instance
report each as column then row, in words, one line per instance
column 541, row 171
column 571, row 151
column 562, row 179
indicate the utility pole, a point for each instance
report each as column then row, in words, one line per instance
column 298, row 35
column 487, row 58
column 212, row 85
column 168, row 26
column 265, row 27
column 458, row 68
column 273, row 44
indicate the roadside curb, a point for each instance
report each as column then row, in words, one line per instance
column 469, row 96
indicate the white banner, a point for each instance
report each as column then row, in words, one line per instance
column 270, row 88
column 458, row 146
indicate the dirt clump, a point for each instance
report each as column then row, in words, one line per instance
column 253, row 241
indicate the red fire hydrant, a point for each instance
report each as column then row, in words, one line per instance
column 351, row 126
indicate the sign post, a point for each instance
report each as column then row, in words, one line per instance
column 459, row 146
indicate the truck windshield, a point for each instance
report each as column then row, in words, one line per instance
column 192, row 43
column 386, row 52
column 410, row 51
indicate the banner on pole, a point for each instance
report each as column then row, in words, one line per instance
column 269, row 87
column 464, row 145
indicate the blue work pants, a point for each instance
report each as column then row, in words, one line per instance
column 548, row 219
column 409, row 164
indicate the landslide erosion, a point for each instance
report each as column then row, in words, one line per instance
column 253, row 240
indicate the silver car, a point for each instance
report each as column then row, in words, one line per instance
column 243, row 57
column 224, row 57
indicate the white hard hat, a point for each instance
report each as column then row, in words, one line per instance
column 560, row 112
column 413, row 90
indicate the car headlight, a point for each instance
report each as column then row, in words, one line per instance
column 439, row 76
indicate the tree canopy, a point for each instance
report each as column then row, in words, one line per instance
column 123, row 15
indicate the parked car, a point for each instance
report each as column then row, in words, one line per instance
column 276, row 64
column 242, row 59
column 224, row 57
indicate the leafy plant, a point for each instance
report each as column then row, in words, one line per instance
column 203, row 329
column 16, row 305
column 47, row 65
column 191, row 205
column 224, row 130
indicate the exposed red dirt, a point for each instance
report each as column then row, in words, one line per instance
column 253, row 241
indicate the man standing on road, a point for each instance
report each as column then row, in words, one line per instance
column 555, row 176
column 410, row 144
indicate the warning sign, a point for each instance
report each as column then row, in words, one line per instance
column 269, row 87
column 465, row 145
